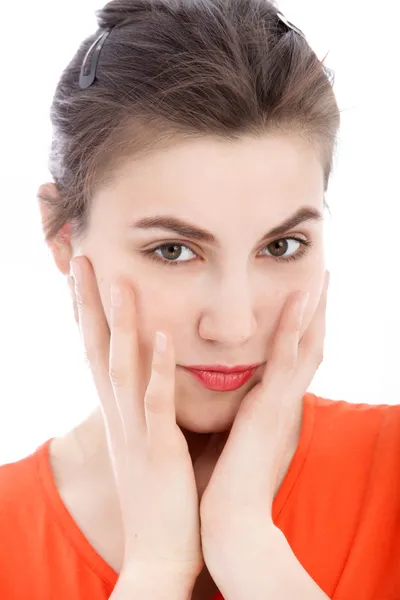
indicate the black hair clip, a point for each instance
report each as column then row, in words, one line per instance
column 87, row 78
column 284, row 20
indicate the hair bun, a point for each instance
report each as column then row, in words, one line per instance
column 119, row 12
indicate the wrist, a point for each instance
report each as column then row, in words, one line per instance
column 153, row 583
column 269, row 569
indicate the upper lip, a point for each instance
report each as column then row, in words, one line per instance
column 222, row 368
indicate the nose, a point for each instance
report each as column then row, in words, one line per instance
column 228, row 317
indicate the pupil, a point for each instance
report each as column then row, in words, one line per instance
column 281, row 245
column 174, row 249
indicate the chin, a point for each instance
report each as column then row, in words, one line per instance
column 208, row 424
column 204, row 411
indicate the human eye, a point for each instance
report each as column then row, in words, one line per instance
column 168, row 254
column 282, row 244
column 175, row 254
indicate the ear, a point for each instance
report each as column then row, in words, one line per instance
column 60, row 246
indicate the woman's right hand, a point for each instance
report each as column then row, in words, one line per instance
column 149, row 454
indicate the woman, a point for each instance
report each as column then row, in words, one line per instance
column 193, row 145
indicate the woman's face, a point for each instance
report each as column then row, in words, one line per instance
column 219, row 294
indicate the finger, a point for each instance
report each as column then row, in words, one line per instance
column 258, row 432
column 292, row 379
column 266, row 416
column 95, row 336
column 311, row 347
column 312, row 341
column 284, row 355
column 295, row 361
column 159, row 398
column 274, row 409
column 124, row 363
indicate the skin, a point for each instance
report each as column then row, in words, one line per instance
column 220, row 306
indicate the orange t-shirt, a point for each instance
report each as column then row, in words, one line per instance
column 339, row 507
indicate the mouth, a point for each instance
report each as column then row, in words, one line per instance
column 223, row 379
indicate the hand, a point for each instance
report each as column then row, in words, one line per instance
column 148, row 452
column 236, row 507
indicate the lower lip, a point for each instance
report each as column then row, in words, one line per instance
column 222, row 382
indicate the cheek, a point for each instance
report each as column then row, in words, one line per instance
column 163, row 309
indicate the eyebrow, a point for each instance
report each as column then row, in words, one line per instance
column 186, row 229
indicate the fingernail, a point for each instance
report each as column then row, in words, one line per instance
column 161, row 342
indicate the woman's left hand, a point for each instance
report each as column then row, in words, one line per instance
column 236, row 506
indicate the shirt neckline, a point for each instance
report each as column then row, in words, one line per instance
column 96, row 562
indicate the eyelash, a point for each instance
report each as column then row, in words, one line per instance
column 175, row 263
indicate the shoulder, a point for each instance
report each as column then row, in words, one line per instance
column 16, row 479
column 362, row 420
column 21, row 494
column 22, row 519
column 356, row 439
column 346, row 503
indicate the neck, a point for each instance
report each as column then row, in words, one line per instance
column 90, row 441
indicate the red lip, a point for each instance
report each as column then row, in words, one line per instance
column 223, row 379
column 223, row 369
column 222, row 382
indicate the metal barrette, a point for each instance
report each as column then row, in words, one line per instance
column 86, row 79
column 289, row 24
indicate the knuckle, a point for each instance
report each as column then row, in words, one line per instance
column 155, row 385
column 156, row 393
column 288, row 361
column 158, row 372
column 118, row 376
column 153, row 405
column 91, row 354
column 315, row 356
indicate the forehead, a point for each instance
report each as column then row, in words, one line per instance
column 273, row 174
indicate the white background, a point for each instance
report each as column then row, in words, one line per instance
column 45, row 386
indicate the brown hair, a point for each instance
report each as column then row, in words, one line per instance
column 176, row 68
